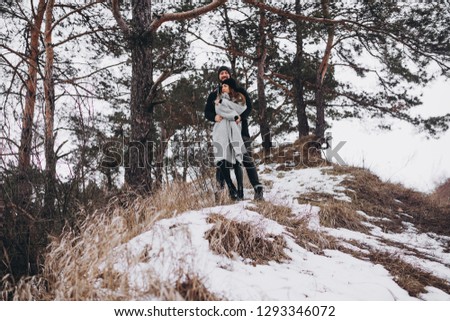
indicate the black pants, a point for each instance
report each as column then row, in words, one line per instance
column 248, row 163
column 223, row 177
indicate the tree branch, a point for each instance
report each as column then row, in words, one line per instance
column 230, row 50
column 186, row 15
column 90, row 4
column 16, row 72
column 72, row 80
column 80, row 35
column 346, row 24
column 152, row 94
column 294, row 16
column 119, row 19
column 286, row 90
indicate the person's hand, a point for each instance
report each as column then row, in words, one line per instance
column 237, row 119
column 218, row 118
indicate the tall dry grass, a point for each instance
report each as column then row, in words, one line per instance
column 441, row 194
column 191, row 288
column 303, row 153
column 409, row 277
column 311, row 240
column 79, row 263
column 394, row 202
column 335, row 214
column 232, row 238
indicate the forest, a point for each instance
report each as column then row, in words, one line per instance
column 100, row 98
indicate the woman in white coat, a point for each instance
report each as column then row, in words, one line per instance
column 229, row 147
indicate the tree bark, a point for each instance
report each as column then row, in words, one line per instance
column 138, row 169
column 298, row 63
column 321, row 72
column 160, row 153
column 49, row 93
column 30, row 102
column 262, row 101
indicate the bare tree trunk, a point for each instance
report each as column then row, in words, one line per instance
column 262, row 101
column 321, row 72
column 160, row 152
column 320, row 111
column 138, row 171
column 185, row 155
column 49, row 92
column 30, row 101
column 299, row 101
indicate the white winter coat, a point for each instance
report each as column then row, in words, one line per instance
column 226, row 135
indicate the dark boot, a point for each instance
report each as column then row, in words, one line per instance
column 249, row 165
column 240, row 180
column 252, row 173
column 225, row 172
column 240, row 193
column 259, row 193
column 220, row 185
column 219, row 178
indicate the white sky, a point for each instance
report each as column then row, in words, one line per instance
column 402, row 155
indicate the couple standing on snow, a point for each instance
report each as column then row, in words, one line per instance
column 228, row 107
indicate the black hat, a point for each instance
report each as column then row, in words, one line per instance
column 230, row 82
column 222, row 68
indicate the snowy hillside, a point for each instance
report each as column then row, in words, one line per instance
column 301, row 243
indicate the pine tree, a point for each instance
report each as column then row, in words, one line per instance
column 140, row 35
column 402, row 39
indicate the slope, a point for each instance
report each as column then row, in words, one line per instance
column 322, row 233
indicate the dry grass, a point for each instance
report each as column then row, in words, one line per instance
column 232, row 238
column 441, row 194
column 313, row 241
column 337, row 214
column 412, row 279
column 181, row 197
column 389, row 204
column 315, row 198
column 73, row 263
column 394, row 202
column 280, row 214
column 78, row 265
column 28, row 288
column 304, row 152
column 191, row 288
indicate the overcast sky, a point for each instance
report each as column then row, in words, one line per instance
column 402, row 155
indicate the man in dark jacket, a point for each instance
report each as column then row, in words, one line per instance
column 210, row 114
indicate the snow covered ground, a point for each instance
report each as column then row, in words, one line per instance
column 178, row 246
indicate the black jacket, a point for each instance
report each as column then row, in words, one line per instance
column 210, row 110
